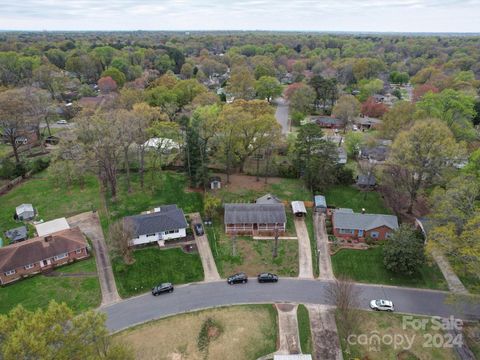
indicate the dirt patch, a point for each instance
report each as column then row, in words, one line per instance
column 247, row 332
column 246, row 182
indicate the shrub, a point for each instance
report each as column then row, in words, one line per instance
column 40, row 164
column 7, row 169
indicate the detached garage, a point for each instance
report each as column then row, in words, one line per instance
column 298, row 208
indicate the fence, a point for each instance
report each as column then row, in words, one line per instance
column 7, row 187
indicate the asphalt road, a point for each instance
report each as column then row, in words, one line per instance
column 281, row 114
column 198, row 296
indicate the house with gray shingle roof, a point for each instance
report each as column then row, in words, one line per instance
column 252, row 219
column 166, row 222
column 350, row 225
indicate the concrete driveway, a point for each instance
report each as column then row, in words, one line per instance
column 326, row 344
column 209, row 267
column 288, row 329
column 304, row 249
column 89, row 224
column 324, row 261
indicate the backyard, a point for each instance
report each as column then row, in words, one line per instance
column 236, row 333
column 343, row 196
column 79, row 292
column 153, row 266
column 367, row 266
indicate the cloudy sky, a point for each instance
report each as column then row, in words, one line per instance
column 313, row 15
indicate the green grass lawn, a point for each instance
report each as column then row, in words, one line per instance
column 367, row 266
column 4, row 150
column 153, row 266
column 350, row 197
column 469, row 280
column 50, row 201
column 36, row 292
column 313, row 242
column 304, row 329
column 291, row 190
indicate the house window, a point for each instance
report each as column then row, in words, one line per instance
column 346, row 231
column 29, row 266
column 150, row 235
column 374, row 234
column 60, row 257
column 10, row 272
column 78, row 251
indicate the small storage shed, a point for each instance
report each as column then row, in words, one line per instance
column 320, row 204
column 215, row 182
column 25, row 212
column 17, row 234
column 298, row 208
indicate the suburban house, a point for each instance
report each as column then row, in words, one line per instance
column 328, row 122
column 375, row 154
column 252, row 219
column 50, row 227
column 18, row 234
column 367, row 123
column 166, row 222
column 25, row 212
column 42, row 253
column 349, row 225
column 320, row 204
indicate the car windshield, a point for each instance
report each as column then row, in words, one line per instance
column 382, row 303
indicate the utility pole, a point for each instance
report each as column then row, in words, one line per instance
column 275, row 245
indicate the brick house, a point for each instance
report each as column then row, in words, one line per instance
column 40, row 254
column 349, row 225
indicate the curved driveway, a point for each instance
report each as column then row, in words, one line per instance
column 198, row 296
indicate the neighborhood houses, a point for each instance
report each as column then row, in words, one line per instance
column 166, row 222
column 41, row 253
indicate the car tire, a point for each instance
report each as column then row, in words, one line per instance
column 230, row 283
column 276, row 280
column 377, row 309
column 171, row 290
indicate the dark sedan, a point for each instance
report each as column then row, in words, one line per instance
column 162, row 288
column 239, row 278
column 198, row 229
column 267, row 277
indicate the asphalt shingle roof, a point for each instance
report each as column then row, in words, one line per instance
column 170, row 217
column 254, row 214
column 346, row 220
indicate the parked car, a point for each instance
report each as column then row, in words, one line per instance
column 198, row 229
column 382, row 305
column 162, row 288
column 239, row 278
column 62, row 122
column 267, row 277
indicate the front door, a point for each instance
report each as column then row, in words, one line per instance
column 44, row 263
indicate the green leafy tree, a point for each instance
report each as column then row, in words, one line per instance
column 268, row 87
column 347, row 108
column 302, row 99
column 116, row 75
column 242, row 83
column 404, row 252
column 399, row 117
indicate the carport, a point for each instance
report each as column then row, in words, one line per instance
column 298, row 208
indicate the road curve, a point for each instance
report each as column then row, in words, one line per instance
column 198, row 296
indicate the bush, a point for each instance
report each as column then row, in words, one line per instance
column 297, row 117
column 7, row 169
column 287, row 171
column 344, row 175
column 40, row 164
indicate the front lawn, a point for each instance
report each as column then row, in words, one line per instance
column 252, row 256
column 313, row 242
column 153, row 266
column 304, row 331
column 79, row 293
column 367, row 266
column 342, row 196
column 469, row 280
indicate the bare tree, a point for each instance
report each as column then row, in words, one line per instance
column 121, row 233
column 346, row 297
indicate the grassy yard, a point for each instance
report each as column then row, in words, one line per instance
column 367, row 266
column 239, row 333
column 471, row 331
column 469, row 280
column 50, row 201
column 80, row 293
column 350, row 197
column 313, row 242
column 387, row 326
column 153, row 266
column 304, row 330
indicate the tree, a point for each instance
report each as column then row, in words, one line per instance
column 120, row 233
column 420, row 90
column 399, row 117
column 366, row 68
column 420, row 155
column 325, row 89
column 116, row 75
column 51, row 79
column 107, row 85
column 373, row 109
column 302, row 99
column 369, row 88
column 211, row 205
column 104, row 54
column 404, row 252
column 397, row 77
column 268, row 87
column 346, row 108
column 315, row 158
column 242, row 83
column 353, row 142
column 166, row 99
column 57, row 333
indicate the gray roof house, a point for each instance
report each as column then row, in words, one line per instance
column 346, row 223
column 17, row 234
column 164, row 223
column 374, row 154
column 366, row 181
column 252, row 218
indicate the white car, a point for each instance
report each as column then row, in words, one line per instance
column 355, row 128
column 62, row 122
column 382, row 305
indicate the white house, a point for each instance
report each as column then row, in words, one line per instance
column 164, row 223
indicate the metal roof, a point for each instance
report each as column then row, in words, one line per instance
column 268, row 199
column 168, row 217
column 254, row 214
column 355, row 221
column 24, row 208
column 50, row 227
column 298, row 207
column 320, row 201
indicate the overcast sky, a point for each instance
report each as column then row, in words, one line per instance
column 313, row 15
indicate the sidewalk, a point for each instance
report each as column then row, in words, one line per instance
column 454, row 283
column 326, row 344
column 324, row 261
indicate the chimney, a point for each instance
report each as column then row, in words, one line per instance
column 48, row 238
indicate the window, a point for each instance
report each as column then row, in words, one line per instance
column 374, row 234
column 10, row 272
column 346, row 231
column 60, row 257
column 150, row 235
column 388, row 235
column 79, row 251
column 29, row 266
